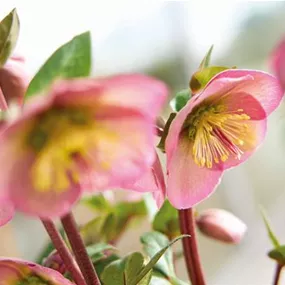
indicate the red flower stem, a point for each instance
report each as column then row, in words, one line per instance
column 79, row 250
column 277, row 274
column 64, row 252
column 190, row 248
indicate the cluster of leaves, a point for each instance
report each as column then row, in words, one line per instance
column 111, row 220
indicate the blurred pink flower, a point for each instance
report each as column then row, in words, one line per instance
column 278, row 63
column 217, row 129
column 13, row 81
column 6, row 212
column 16, row 272
column 55, row 262
column 86, row 134
column 221, row 225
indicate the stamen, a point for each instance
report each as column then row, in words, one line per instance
column 217, row 134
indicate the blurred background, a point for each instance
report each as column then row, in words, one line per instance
column 168, row 40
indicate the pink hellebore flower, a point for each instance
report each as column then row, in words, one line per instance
column 16, row 272
column 217, row 129
column 86, row 134
column 278, row 63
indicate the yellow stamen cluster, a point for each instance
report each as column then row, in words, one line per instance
column 56, row 137
column 217, row 133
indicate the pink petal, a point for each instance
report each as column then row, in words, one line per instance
column 278, row 63
column 122, row 152
column 15, row 271
column 7, row 212
column 188, row 184
column 152, row 181
column 257, row 129
column 262, row 86
column 47, row 204
column 138, row 92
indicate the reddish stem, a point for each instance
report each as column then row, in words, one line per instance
column 63, row 251
column 79, row 250
column 277, row 274
column 191, row 254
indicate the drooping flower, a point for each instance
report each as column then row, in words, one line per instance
column 14, row 80
column 221, row 225
column 217, row 129
column 20, row 272
column 86, row 134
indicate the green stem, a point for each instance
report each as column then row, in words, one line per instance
column 191, row 254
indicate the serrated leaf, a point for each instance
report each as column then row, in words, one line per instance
column 153, row 242
column 153, row 261
column 180, row 99
column 206, row 60
column 71, row 60
column 161, row 144
column 201, row 77
column 270, row 232
column 9, row 33
column 166, row 220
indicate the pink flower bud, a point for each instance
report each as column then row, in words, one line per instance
column 221, row 225
column 13, row 79
column 55, row 262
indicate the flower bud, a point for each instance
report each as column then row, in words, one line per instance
column 55, row 262
column 16, row 272
column 13, row 80
column 221, row 225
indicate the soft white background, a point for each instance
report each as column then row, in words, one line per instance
column 134, row 35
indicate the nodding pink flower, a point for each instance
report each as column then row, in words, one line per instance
column 16, row 272
column 14, row 81
column 85, row 134
column 55, row 262
column 221, row 225
column 217, row 129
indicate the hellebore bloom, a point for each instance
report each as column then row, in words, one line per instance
column 19, row 272
column 217, row 129
column 87, row 134
column 13, row 81
column 221, row 225
column 278, row 63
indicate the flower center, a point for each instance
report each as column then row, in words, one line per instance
column 56, row 137
column 217, row 133
column 33, row 280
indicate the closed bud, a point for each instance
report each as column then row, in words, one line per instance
column 221, row 225
column 55, row 262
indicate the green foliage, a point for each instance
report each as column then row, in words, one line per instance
column 206, row 60
column 180, row 99
column 71, row 60
column 113, row 219
column 161, row 144
column 98, row 251
column 9, row 33
column 278, row 254
column 166, row 220
column 132, row 269
column 201, row 77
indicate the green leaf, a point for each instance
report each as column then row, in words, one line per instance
column 153, row 242
column 206, row 60
column 180, row 99
column 270, row 232
column 101, row 264
column 278, row 254
column 71, row 60
column 97, row 251
column 98, row 203
column 121, row 272
column 201, row 77
column 154, row 260
column 9, row 33
column 166, row 220
column 161, row 144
